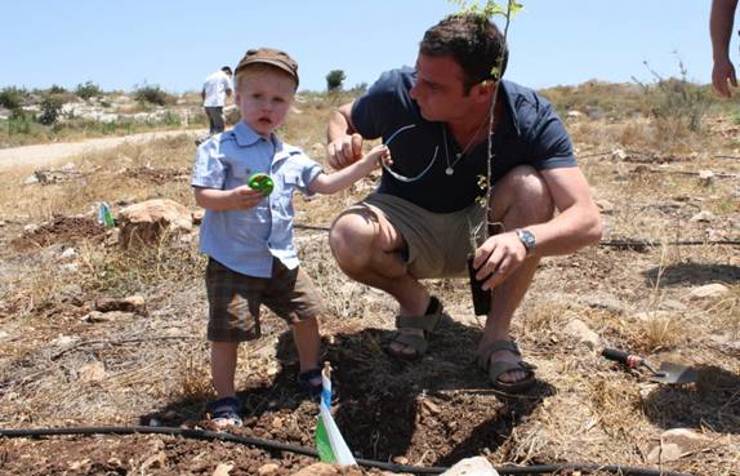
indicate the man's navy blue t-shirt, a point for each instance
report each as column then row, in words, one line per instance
column 531, row 133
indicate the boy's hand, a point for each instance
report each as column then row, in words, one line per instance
column 244, row 197
column 379, row 155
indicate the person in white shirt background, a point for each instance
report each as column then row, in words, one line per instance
column 216, row 89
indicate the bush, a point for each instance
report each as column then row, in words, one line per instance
column 334, row 80
column 51, row 106
column 153, row 95
column 12, row 98
column 88, row 90
column 676, row 102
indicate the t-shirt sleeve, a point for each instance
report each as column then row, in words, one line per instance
column 550, row 143
column 372, row 112
column 208, row 170
column 227, row 83
column 309, row 170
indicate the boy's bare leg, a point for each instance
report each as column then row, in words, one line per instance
column 223, row 367
column 307, row 343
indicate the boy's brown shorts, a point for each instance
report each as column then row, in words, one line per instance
column 234, row 300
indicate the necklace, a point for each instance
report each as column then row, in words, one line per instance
column 458, row 155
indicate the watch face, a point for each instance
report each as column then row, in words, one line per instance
column 527, row 238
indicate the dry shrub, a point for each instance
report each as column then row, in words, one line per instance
column 194, row 376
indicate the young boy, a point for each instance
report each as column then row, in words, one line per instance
column 248, row 235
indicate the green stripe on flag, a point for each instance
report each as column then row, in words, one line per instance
column 326, row 453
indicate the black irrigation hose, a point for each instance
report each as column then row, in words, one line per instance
column 277, row 446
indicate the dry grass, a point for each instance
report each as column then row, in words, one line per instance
column 585, row 409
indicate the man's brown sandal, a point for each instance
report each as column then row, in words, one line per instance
column 497, row 369
column 419, row 343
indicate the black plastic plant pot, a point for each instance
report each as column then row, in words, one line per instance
column 481, row 298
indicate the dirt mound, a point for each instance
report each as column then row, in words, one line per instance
column 61, row 229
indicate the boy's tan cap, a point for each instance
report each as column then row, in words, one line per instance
column 277, row 58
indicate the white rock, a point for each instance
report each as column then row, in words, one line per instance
column 92, row 372
column 709, row 291
column 583, row 333
column 269, row 468
column 69, row 253
column 619, row 154
column 476, row 466
column 703, row 217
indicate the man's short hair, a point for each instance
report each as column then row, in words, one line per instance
column 475, row 43
column 227, row 70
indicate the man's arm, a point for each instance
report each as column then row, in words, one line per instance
column 344, row 143
column 578, row 224
column 720, row 29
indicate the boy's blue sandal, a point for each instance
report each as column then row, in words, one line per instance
column 225, row 412
column 310, row 382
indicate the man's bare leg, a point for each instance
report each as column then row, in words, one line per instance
column 520, row 199
column 368, row 249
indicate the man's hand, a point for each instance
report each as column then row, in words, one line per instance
column 723, row 72
column 344, row 151
column 244, row 197
column 498, row 257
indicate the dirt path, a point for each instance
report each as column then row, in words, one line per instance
column 44, row 154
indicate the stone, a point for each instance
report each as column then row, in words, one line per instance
column 135, row 304
column 703, row 217
column 605, row 206
column 675, row 443
column 578, row 329
column 476, row 466
column 92, row 372
column 147, row 222
column 604, row 301
column 318, row 469
column 223, row 469
column 709, row 291
column 269, row 468
column 619, row 154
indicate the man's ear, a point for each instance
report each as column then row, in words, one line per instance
column 484, row 90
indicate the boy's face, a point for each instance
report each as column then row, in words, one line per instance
column 264, row 98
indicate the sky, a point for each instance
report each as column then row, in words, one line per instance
column 176, row 44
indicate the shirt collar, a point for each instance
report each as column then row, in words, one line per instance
column 246, row 136
column 511, row 122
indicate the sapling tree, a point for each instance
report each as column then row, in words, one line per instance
column 489, row 9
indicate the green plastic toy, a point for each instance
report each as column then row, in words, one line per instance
column 262, row 183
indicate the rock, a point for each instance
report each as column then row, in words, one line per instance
column 703, row 217
column 223, row 469
column 605, row 206
column 476, row 466
column 578, row 329
column 707, row 176
column 675, row 443
column 148, row 222
column 709, row 291
column 673, row 305
column 94, row 317
column 135, row 304
column 69, row 253
column 573, row 114
column 30, row 180
column 69, row 267
column 664, row 454
column 723, row 340
column 269, row 468
column 619, row 154
column 604, row 301
column 318, row 469
column 64, row 341
column 92, row 372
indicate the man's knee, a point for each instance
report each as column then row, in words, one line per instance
column 351, row 241
column 524, row 195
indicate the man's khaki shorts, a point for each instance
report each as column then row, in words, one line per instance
column 234, row 300
column 438, row 244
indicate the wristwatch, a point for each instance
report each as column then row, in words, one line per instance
column 527, row 239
